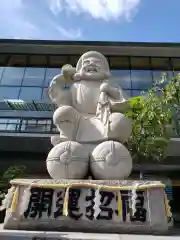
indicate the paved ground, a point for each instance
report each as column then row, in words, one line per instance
column 24, row 235
column 33, row 235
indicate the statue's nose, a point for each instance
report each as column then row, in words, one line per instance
column 92, row 64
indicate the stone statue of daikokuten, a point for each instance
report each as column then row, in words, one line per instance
column 90, row 120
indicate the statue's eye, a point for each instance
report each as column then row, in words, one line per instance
column 86, row 62
column 98, row 63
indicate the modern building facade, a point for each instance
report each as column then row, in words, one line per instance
column 26, row 69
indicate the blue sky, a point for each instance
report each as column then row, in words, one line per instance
column 99, row 20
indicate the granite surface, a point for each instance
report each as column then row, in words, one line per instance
column 42, row 235
column 20, row 216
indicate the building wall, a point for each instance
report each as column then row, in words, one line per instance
column 27, row 77
column 35, row 163
column 28, row 80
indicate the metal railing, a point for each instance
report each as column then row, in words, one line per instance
column 26, row 125
column 46, row 126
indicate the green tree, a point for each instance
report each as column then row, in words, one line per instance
column 152, row 114
column 12, row 172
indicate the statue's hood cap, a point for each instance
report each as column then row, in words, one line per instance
column 89, row 55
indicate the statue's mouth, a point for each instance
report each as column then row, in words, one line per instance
column 92, row 70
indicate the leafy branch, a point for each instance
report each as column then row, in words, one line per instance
column 152, row 115
column 12, row 172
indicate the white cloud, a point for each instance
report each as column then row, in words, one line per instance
column 98, row 9
column 18, row 20
column 32, row 19
column 69, row 33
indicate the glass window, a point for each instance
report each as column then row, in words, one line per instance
column 119, row 62
column 54, row 129
column 138, row 93
column 44, row 122
column 34, row 125
column 157, row 76
column 9, row 124
column 44, row 125
column 160, row 63
column 50, row 74
column 141, row 79
column 121, row 78
column 140, row 63
column 3, row 120
column 30, row 93
column 28, row 125
column 127, row 92
column 3, row 126
column 13, row 124
column 9, row 92
column 34, row 77
column 3, row 123
column 12, row 76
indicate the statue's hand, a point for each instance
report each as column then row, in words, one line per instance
column 77, row 77
column 104, row 87
column 68, row 72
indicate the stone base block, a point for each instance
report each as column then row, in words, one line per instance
column 87, row 205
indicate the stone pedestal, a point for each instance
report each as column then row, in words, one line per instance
column 87, row 205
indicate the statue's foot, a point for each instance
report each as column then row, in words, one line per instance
column 68, row 160
column 56, row 139
column 110, row 160
column 120, row 127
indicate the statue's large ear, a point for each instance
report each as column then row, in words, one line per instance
column 50, row 93
column 54, row 87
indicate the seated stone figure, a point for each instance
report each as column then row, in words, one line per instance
column 90, row 111
column 85, row 112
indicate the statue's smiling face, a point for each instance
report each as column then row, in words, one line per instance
column 92, row 65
